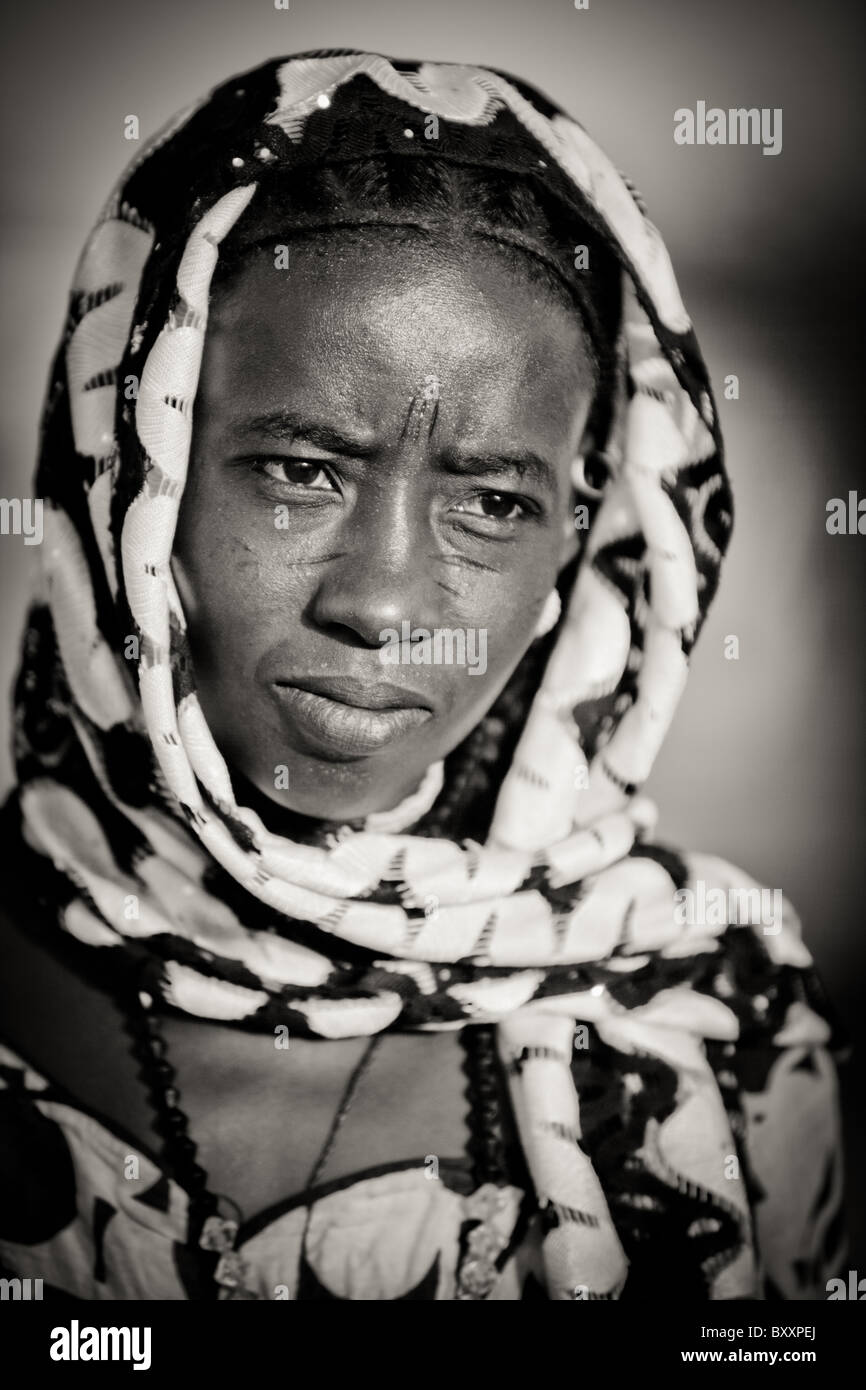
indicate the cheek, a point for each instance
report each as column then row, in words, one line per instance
column 234, row 592
column 512, row 599
column 502, row 616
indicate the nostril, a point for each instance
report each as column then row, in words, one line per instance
column 353, row 632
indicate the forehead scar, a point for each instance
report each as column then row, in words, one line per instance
column 423, row 409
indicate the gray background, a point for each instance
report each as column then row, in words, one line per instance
column 764, row 765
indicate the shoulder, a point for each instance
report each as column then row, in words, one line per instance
column 65, row 1027
column 718, row 895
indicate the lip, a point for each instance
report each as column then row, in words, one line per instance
column 362, row 694
column 351, row 717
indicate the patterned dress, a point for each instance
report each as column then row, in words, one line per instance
column 87, row 1211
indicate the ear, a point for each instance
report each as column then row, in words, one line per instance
column 570, row 536
column 582, row 500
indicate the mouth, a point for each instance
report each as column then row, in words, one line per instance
column 351, row 717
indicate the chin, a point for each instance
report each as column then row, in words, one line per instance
column 339, row 791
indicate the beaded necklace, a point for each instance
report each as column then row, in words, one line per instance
column 214, row 1218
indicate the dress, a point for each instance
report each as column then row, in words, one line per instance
column 87, row 1211
column 95, row 1217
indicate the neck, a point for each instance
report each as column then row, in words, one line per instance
column 281, row 820
column 294, row 825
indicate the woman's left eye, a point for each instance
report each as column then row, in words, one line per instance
column 306, row 473
column 495, row 506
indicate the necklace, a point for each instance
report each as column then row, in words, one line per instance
column 483, row 1241
column 214, row 1218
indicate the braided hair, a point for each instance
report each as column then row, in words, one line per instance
column 461, row 205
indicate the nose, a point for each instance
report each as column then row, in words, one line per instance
column 383, row 571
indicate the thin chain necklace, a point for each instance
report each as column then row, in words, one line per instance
column 215, row 1219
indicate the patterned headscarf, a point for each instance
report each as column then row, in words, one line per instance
column 563, row 915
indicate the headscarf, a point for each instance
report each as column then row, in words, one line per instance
column 564, row 916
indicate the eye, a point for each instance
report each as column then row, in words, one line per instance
column 309, row 474
column 496, row 506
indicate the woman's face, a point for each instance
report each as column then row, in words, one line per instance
column 382, row 438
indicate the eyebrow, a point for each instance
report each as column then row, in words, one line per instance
column 289, row 426
column 525, row 464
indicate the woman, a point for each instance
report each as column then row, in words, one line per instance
column 384, row 503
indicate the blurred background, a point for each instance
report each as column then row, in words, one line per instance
column 765, row 763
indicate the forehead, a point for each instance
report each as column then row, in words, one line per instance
column 357, row 330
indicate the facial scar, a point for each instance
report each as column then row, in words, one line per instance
column 423, row 410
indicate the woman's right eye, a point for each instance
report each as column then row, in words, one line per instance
column 304, row 473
